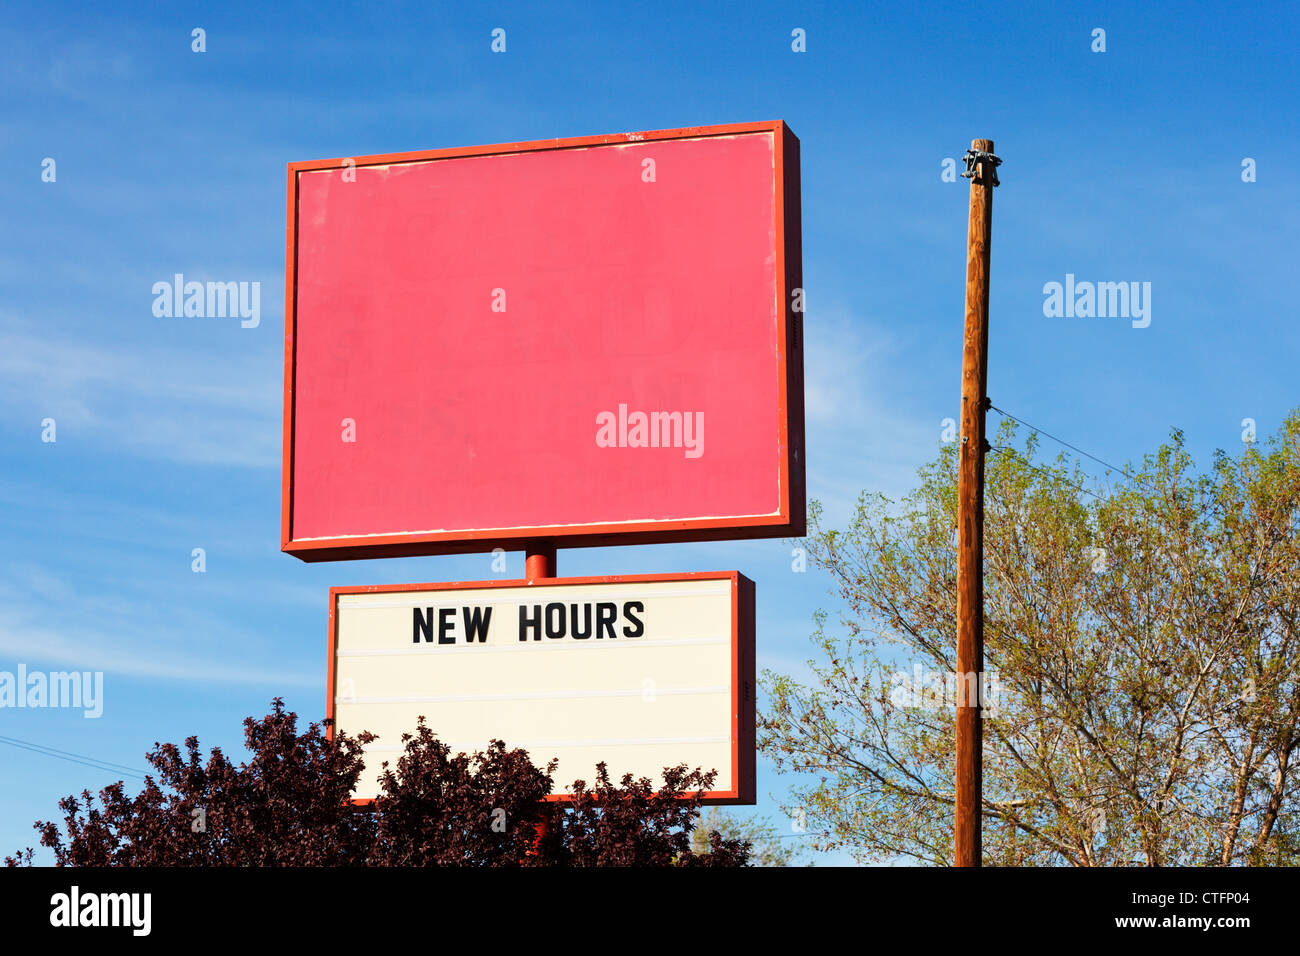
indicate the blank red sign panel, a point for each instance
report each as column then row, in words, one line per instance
column 588, row 340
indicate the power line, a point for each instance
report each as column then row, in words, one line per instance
column 793, row 836
column 93, row 762
column 1061, row 441
column 68, row 753
column 1042, row 471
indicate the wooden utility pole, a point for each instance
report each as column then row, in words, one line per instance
column 981, row 169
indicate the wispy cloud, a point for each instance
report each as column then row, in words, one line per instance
column 188, row 406
column 44, row 619
column 23, row 640
column 859, row 436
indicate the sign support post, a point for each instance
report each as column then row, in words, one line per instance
column 539, row 560
column 981, row 169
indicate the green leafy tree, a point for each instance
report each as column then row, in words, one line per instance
column 768, row 845
column 1143, row 635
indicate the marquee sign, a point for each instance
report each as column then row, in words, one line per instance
column 590, row 341
column 640, row 671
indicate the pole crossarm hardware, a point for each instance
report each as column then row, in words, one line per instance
column 979, row 161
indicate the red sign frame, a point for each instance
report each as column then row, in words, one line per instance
column 743, row 687
column 788, row 520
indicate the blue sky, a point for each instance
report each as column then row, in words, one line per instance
column 1118, row 166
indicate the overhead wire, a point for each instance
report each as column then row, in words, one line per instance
column 1061, row 441
column 86, row 761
